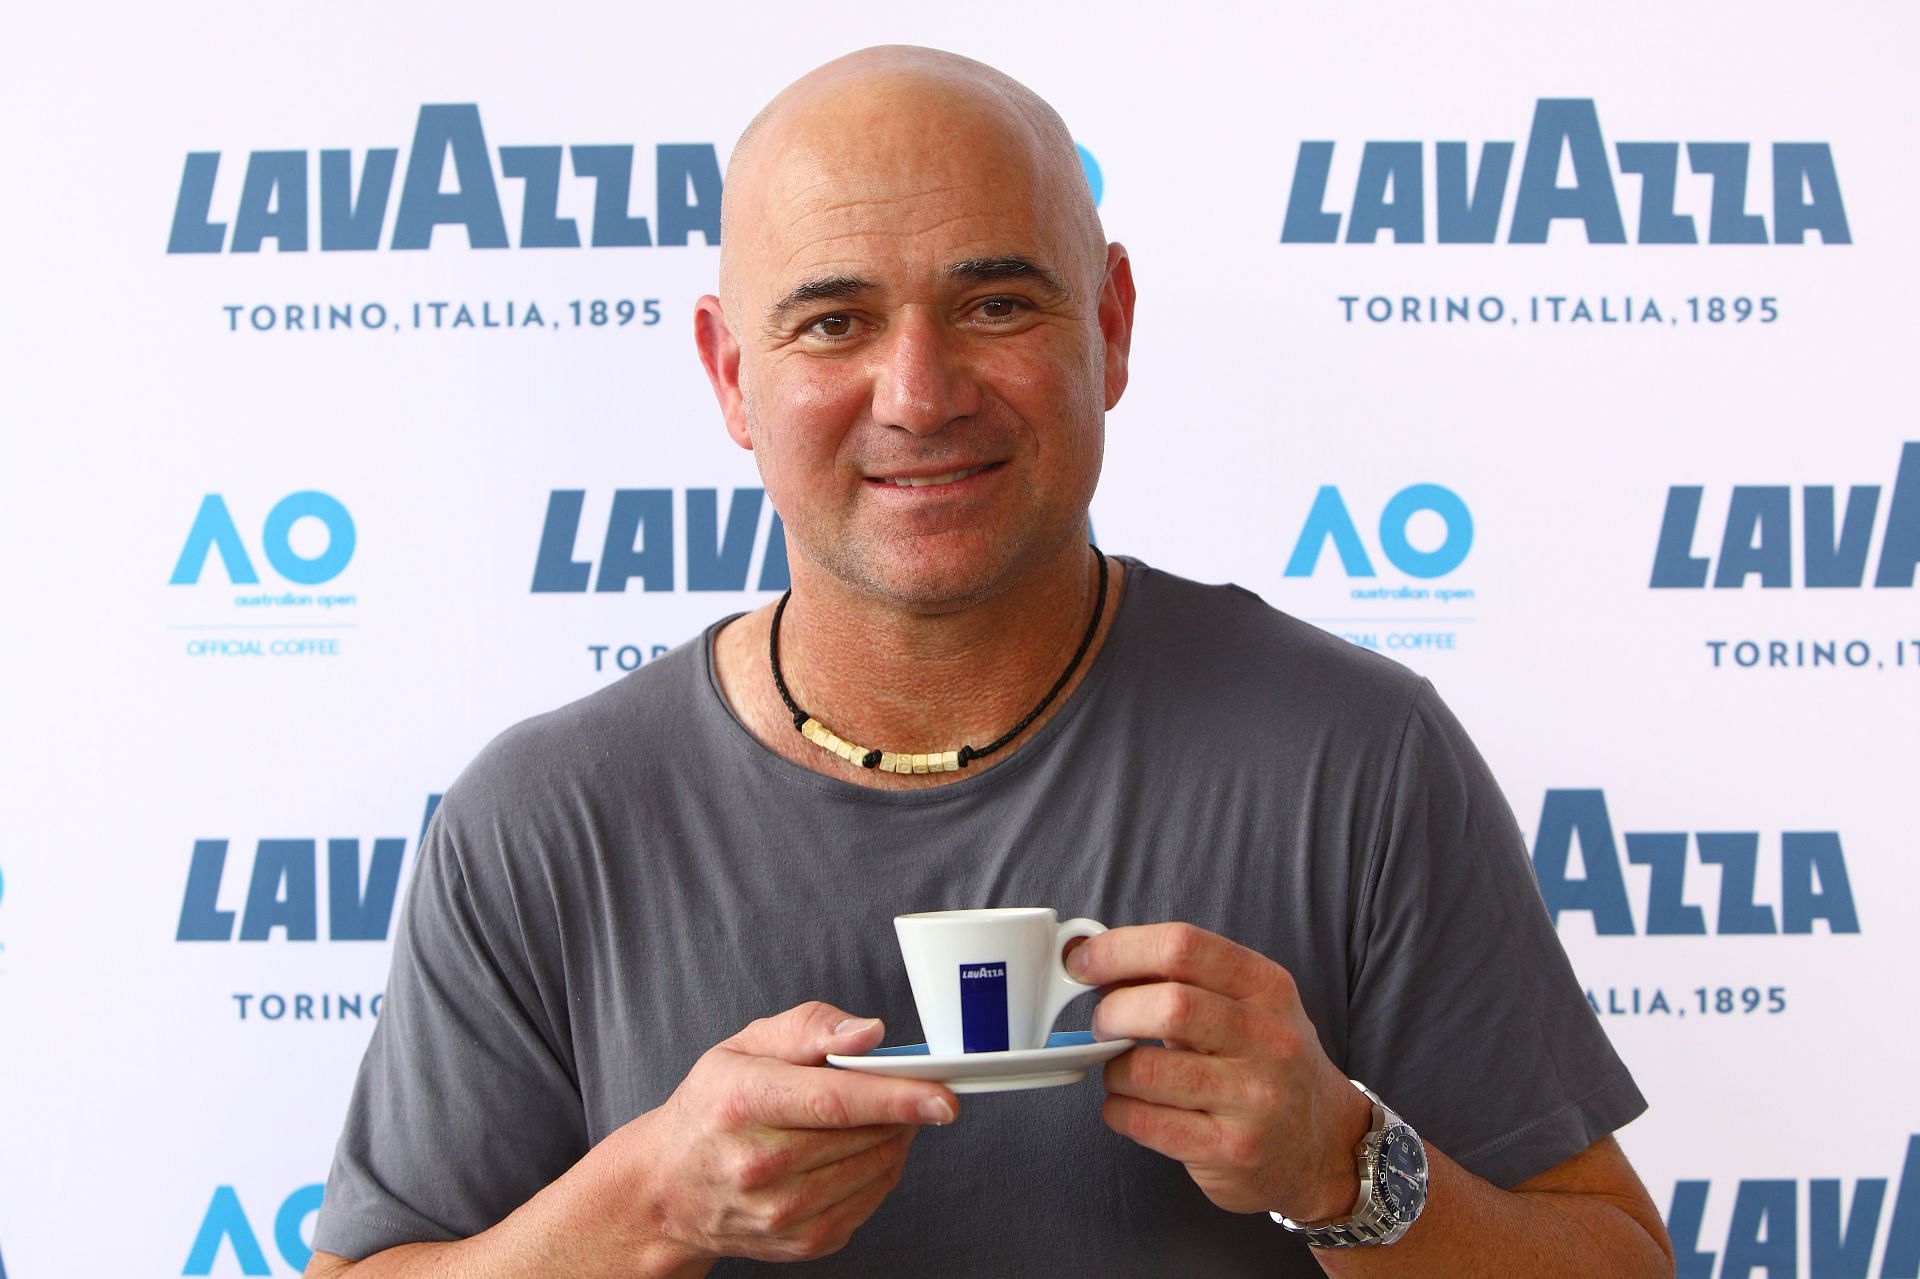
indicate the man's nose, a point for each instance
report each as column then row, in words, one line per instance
column 921, row 378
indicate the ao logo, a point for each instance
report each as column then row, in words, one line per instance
column 214, row 530
column 226, row 1223
column 1330, row 520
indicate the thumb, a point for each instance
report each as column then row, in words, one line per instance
column 806, row 1033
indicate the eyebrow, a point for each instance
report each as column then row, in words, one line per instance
column 828, row 288
column 1010, row 267
column 846, row 288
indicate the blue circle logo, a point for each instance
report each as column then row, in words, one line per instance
column 1094, row 181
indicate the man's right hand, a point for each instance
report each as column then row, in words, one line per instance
column 759, row 1153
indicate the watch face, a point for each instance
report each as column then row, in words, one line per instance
column 1403, row 1165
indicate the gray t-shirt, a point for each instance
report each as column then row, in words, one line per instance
column 613, row 887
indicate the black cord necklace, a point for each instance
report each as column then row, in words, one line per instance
column 933, row 761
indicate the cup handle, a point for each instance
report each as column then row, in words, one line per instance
column 1064, row 989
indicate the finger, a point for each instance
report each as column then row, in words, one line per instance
column 1190, row 1136
column 829, row 1230
column 1187, row 1080
column 1202, row 1020
column 1173, row 952
column 817, row 1148
column 829, row 1184
column 778, row 1095
column 806, row 1033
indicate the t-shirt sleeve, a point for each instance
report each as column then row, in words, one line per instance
column 466, row 1103
column 1465, row 1014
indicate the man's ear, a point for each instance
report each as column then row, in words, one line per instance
column 720, row 357
column 1116, row 319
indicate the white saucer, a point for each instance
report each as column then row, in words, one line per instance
column 1063, row 1061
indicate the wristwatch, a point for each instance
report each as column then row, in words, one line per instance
column 1393, row 1186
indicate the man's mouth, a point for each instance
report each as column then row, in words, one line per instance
column 928, row 481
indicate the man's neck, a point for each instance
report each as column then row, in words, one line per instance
column 905, row 680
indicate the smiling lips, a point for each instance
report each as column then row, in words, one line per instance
column 928, row 481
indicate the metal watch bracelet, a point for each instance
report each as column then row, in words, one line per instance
column 1376, row 1218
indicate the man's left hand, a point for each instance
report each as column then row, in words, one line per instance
column 1242, row 1093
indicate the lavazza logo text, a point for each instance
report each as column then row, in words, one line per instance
column 274, row 201
column 1569, row 179
column 1775, row 1222
column 476, row 196
column 1381, row 569
column 656, row 539
column 277, row 899
column 265, row 580
column 1849, row 552
column 1786, row 885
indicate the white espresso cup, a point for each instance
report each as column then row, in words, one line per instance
column 989, row 980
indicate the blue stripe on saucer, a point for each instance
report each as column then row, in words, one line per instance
column 1059, row 1039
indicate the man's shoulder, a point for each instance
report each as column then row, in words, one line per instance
column 1224, row 644
column 612, row 736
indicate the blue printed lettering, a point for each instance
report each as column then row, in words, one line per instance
column 639, row 543
column 1764, row 1229
column 541, row 226
column 213, row 529
column 194, row 230
column 1756, row 541
column 1389, row 189
column 283, row 889
column 274, row 201
column 1571, row 125
column 348, row 224
column 1469, row 215
column 443, row 132
column 1328, row 518
column 1764, row 1233
column 645, row 514
column 1814, row 884
column 611, row 169
column 225, row 1222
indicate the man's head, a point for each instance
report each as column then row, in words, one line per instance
column 914, row 283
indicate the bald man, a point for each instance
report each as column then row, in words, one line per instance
column 583, row 1067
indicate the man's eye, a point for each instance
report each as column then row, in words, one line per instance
column 1000, row 308
column 832, row 326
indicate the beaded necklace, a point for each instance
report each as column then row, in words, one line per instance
column 932, row 761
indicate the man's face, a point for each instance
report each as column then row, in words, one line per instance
column 926, row 338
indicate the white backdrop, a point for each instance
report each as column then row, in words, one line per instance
column 171, row 1085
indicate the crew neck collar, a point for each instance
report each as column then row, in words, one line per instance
column 753, row 753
